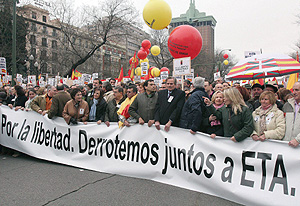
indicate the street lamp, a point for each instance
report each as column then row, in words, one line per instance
column 31, row 58
column 36, row 67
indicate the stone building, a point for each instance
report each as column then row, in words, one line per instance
column 206, row 26
column 55, row 50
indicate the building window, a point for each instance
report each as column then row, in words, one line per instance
column 32, row 40
column 33, row 15
column 44, row 68
column 44, row 42
column 33, row 27
column 54, row 33
column 54, row 56
column 45, row 30
column 44, row 19
column 54, row 44
column 43, row 54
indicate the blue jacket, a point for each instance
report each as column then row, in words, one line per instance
column 193, row 109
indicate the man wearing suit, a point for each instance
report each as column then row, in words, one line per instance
column 169, row 105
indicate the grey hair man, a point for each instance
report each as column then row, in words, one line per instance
column 194, row 109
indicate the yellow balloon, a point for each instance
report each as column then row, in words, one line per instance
column 144, row 60
column 138, row 71
column 157, row 14
column 155, row 72
column 225, row 62
column 155, row 50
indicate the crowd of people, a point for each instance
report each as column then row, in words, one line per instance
column 237, row 112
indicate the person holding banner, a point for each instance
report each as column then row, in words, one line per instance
column 20, row 98
column 143, row 107
column 32, row 96
column 292, row 117
column 114, row 105
column 97, row 107
column 76, row 110
column 269, row 122
column 169, row 105
column 213, row 125
column 236, row 117
column 194, row 109
column 123, row 114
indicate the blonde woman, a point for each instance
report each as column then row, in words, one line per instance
column 215, row 126
column 269, row 122
column 236, row 117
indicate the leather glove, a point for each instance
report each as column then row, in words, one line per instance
column 73, row 120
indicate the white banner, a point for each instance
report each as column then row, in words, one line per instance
column 249, row 172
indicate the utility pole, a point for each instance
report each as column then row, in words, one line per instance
column 14, row 44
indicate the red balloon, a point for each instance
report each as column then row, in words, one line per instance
column 149, row 72
column 147, row 51
column 146, row 44
column 130, row 60
column 225, row 56
column 142, row 54
column 165, row 69
column 185, row 41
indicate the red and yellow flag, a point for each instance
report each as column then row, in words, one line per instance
column 75, row 74
column 293, row 78
column 121, row 75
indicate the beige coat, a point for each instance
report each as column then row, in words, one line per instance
column 275, row 123
column 81, row 113
column 292, row 123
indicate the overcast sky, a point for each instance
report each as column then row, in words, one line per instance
column 243, row 25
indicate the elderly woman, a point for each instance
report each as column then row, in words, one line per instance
column 215, row 126
column 236, row 117
column 269, row 122
column 97, row 107
column 76, row 110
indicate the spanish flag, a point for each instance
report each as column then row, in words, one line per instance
column 75, row 74
column 121, row 75
column 131, row 73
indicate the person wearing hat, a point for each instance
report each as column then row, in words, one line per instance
column 257, row 89
column 248, row 87
column 271, row 88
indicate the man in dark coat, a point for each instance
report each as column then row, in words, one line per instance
column 169, row 105
column 58, row 102
column 193, row 109
column 113, row 106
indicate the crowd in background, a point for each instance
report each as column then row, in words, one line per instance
column 259, row 111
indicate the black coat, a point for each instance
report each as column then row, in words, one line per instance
column 100, row 109
column 193, row 110
column 20, row 101
column 165, row 110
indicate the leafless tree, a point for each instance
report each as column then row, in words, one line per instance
column 84, row 31
column 160, row 38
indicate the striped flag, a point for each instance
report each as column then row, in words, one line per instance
column 293, row 78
